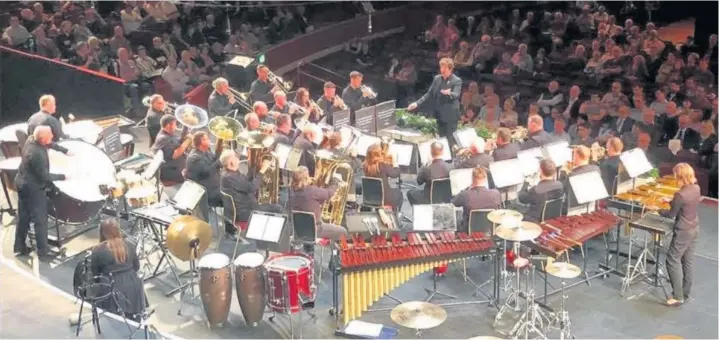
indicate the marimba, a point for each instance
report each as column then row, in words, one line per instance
column 653, row 196
column 371, row 269
column 565, row 232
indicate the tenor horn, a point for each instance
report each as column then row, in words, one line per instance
column 258, row 150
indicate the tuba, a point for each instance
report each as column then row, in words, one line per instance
column 191, row 116
column 225, row 129
column 258, row 150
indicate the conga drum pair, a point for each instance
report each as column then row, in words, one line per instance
column 215, row 287
column 290, row 282
column 250, row 285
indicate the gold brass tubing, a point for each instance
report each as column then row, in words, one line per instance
column 345, row 297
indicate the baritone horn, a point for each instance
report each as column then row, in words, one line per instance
column 225, row 129
column 327, row 168
column 258, row 150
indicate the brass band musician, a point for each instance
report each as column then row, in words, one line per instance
column 580, row 165
column 263, row 113
column 252, row 122
column 45, row 117
column 537, row 137
column 261, row 88
column 173, row 150
column 473, row 156
column 477, row 196
column 283, row 132
column 281, row 104
column 548, row 188
column 243, row 189
column 221, row 102
column 356, row 96
column 313, row 113
column 307, row 197
column 202, row 167
column 305, row 143
column 437, row 169
column 330, row 102
column 506, row 149
column 610, row 165
column 157, row 109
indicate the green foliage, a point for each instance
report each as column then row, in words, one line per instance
column 416, row 121
column 481, row 129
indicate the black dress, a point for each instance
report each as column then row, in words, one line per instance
column 124, row 275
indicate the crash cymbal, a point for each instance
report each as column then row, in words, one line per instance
column 526, row 231
column 563, row 270
column 184, row 233
column 499, row 215
column 418, row 315
column 255, row 139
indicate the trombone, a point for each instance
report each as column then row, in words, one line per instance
column 279, row 82
column 169, row 107
column 242, row 97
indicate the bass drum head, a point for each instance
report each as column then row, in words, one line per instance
column 288, row 263
column 89, row 168
column 214, row 261
column 249, row 260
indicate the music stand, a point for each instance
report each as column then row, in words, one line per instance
column 153, row 170
column 460, row 179
column 341, row 118
column 425, row 150
column 587, row 188
column 434, row 217
column 465, row 137
column 364, row 141
column 188, row 196
column 505, row 174
column 529, row 160
column 282, row 152
column 385, row 115
column 267, row 230
column 558, row 152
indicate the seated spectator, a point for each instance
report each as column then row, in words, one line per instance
column 594, row 64
column 638, row 71
column 700, row 101
column 211, row 31
column 660, row 102
column 27, row 20
column 583, row 135
column 216, row 53
column 615, row 98
column 488, row 93
column 509, row 117
column 131, row 17
column 16, row 35
column 522, row 60
column 505, row 68
column 118, row 40
column 193, row 72
column 613, row 66
column 145, row 63
column 550, row 99
column 66, row 40
column 541, row 62
column 592, row 106
column 436, row 33
column 665, row 69
column 276, row 30
column 707, row 141
column 692, row 65
column 653, row 47
column 208, row 63
column 128, row 70
column 99, row 53
column 558, row 28
column 80, row 30
column 446, row 46
column 482, row 53
column 471, row 98
column 578, row 60
column 675, row 92
column 360, row 48
column 677, row 73
column 178, row 80
column 248, row 37
column 490, row 112
column 559, row 133
column 468, row 117
column 703, row 75
column 158, row 53
column 463, row 57
column 177, row 39
column 97, row 25
column 234, row 47
column 406, row 80
column 45, row 46
column 573, row 130
column 83, row 57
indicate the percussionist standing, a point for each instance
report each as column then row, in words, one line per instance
column 32, row 180
column 45, row 117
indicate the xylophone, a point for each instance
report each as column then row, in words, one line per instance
column 565, row 232
column 653, row 196
column 371, row 269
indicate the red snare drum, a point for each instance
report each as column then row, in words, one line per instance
column 290, row 282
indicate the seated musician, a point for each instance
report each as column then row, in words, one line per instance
column 261, row 88
column 312, row 111
column 173, row 151
column 263, row 113
column 117, row 259
column 437, row 169
column 477, row 196
column 580, row 165
column 354, row 95
column 283, row 133
column 610, row 165
column 203, row 168
column 252, row 122
column 506, row 149
column 330, row 102
column 243, row 189
column 305, row 143
column 375, row 165
column 583, row 135
column 45, row 117
column 157, row 109
column 537, row 137
column 547, row 189
column 281, row 104
column 681, row 249
column 221, row 102
column 306, row 197
column 477, row 157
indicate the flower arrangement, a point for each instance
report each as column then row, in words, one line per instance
column 415, row 121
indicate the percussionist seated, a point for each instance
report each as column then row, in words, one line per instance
column 243, row 190
column 31, row 181
column 307, row 197
column 477, row 196
column 116, row 259
column 547, row 189
column 173, row 152
column 438, row 169
column 203, row 168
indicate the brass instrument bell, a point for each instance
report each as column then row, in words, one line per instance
column 191, row 116
column 185, row 234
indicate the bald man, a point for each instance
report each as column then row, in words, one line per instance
column 550, row 99
column 537, row 136
column 263, row 113
column 32, row 179
column 45, row 117
column 252, row 122
column 477, row 157
column 437, row 169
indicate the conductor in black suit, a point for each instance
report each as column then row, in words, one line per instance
column 477, row 196
column 444, row 94
column 547, row 189
column 437, row 169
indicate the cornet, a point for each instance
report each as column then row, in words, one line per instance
column 337, row 101
column 370, row 93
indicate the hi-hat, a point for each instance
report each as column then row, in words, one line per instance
column 526, row 231
column 418, row 315
column 185, row 233
column 497, row 216
column 563, row 270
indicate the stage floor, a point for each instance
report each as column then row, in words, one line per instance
column 596, row 310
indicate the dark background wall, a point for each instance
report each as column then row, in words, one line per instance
column 24, row 78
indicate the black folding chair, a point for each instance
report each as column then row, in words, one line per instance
column 304, row 228
column 440, row 191
column 372, row 193
column 552, row 208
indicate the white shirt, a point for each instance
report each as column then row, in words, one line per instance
column 680, row 134
column 569, row 106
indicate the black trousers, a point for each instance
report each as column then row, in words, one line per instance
column 447, row 129
column 417, row 196
column 32, row 207
column 680, row 258
column 153, row 131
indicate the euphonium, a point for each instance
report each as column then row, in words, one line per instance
column 225, row 129
column 333, row 209
column 324, row 163
column 257, row 144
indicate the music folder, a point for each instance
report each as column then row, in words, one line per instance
column 434, row 217
column 460, row 179
column 282, row 151
column 293, row 159
column 425, row 150
column 465, row 137
column 529, row 160
column 189, row 195
column 635, row 162
column 366, row 120
column 402, row 153
column 506, row 173
column 341, row 118
column 266, row 227
column 385, row 115
column 588, row 187
column 364, row 141
column 559, row 152
column 111, row 139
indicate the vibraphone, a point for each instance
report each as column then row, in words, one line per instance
column 372, row 269
column 565, row 232
column 652, row 196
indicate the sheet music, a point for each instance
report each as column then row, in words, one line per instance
column 560, row 153
column 506, row 173
column 347, row 136
column 588, row 187
column 465, row 137
column 422, row 217
column 264, row 227
column 425, row 150
column 282, row 151
column 273, row 229
column 256, row 227
column 364, row 329
column 364, row 142
column 529, row 160
column 402, row 153
column 635, row 162
column 460, row 179
column 293, row 159
column 189, row 195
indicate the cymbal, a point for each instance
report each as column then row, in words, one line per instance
column 418, row 315
column 525, row 232
column 255, row 139
column 497, row 216
column 563, row 270
column 186, row 231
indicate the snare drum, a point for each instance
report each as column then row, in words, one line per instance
column 215, row 286
column 290, row 282
column 250, row 285
column 141, row 196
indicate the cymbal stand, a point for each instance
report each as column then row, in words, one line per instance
column 144, row 317
column 562, row 318
column 531, row 320
column 512, row 300
column 194, row 276
column 506, row 276
column 640, row 266
column 434, row 292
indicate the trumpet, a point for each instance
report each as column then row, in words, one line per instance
column 318, row 110
column 337, row 101
column 370, row 93
column 169, row 107
column 299, row 110
column 279, row 83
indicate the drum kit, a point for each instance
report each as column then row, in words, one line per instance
column 418, row 315
column 532, row 320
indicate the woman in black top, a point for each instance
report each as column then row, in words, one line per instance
column 117, row 259
column 686, row 226
column 376, row 165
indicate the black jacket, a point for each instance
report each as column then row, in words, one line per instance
column 34, row 170
column 537, row 139
column 203, row 168
column 505, row 152
column 219, row 105
column 624, row 128
column 684, row 207
column 243, row 190
column 706, row 149
column 260, row 91
column 445, row 107
column 474, row 198
column 610, row 169
column 544, row 191
column 310, row 199
column 438, row 169
column 386, row 171
column 171, row 169
column 690, row 140
column 353, row 98
column 478, row 160
column 44, row 118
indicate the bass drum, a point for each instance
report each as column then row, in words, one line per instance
column 79, row 199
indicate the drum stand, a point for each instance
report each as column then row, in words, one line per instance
column 531, row 320
column 562, row 319
column 194, row 277
column 640, row 266
column 434, row 292
column 512, row 300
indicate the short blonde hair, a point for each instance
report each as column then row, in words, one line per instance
column 219, row 81
column 709, row 124
column 44, row 99
column 447, row 62
column 583, row 152
column 684, row 174
column 616, row 144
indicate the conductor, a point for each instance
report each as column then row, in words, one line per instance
column 444, row 94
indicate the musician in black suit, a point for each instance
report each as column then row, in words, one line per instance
column 329, row 102
column 437, row 169
column 222, row 102
column 444, row 94
column 32, row 180
column 477, row 157
column 173, row 151
column 506, row 149
column 610, row 165
column 306, row 197
column 157, row 109
column 376, row 166
column 580, row 165
column 690, row 139
column 355, row 95
column 261, row 88
column 477, row 196
column 243, row 189
column 547, row 189
column 45, row 117
column 686, row 226
column 203, row 167
column 283, row 133
column 623, row 123
column 305, row 143
column 707, row 141
column 537, row 137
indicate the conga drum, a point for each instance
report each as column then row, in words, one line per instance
column 250, row 285
column 215, row 286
